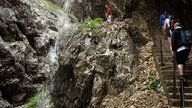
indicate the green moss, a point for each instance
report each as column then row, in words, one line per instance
column 33, row 101
column 51, row 5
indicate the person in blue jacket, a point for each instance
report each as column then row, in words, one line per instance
column 162, row 18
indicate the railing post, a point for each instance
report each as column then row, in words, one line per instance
column 161, row 51
column 182, row 93
column 174, row 77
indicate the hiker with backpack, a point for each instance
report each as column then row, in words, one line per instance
column 162, row 18
column 180, row 48
column 108, row 14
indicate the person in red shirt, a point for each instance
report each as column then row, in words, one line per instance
column 108, row 13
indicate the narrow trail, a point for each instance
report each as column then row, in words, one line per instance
column 166, row 72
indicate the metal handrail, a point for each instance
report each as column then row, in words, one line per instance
column 182, row 104
column 161, row 51
column 174, row 77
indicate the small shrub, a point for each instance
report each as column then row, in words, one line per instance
column 153, row 82
column 91, row 23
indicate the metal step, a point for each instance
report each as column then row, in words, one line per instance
column 170, row 82
column 186, row 95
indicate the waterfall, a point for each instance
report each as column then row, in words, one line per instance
column 64, row 29
column 67, row 5
column 63, row 24
column 52, row 54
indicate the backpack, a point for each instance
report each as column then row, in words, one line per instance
column 186, row 37
column 165, row 16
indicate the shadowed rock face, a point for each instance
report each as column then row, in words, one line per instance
column 96, row 8
column 28, row 30
column 92, row 64
column 97, row 64
column 126, row 8
column 179, row 8
column 19, row 69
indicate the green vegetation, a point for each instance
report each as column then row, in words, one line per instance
column 91, row 23
column 51, row 5
column 33, row 101
column 153, row 82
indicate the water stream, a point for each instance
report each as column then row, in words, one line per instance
column 67, row 5
column 63, row 25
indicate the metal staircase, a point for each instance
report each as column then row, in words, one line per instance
column 165, row 66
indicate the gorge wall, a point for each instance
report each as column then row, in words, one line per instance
column 28, row 35
column 126, row 8
column 43, row 46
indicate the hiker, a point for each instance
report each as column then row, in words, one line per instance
column 168, row 29
column 108, row 14
column 179, row 50
column 162, row 18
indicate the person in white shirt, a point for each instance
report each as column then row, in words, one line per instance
column 167, row 31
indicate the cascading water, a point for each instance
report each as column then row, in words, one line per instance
column 52, row 55
column 67, row 4
column 63, row 25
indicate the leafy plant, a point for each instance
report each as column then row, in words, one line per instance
column 91, row 23
column 153, row 82
column 33, row 101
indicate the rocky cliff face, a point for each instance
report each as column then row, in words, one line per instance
column 92, row 64
column 96, row 8
column 42, row 48
column 28, row 31
column 127, row 8
column 97, row 64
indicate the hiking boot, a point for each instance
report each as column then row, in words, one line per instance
column 184, row 80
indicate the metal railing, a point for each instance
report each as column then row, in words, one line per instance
column 182, row 103
column 161, row 51
column 174, row 77
column 181, row 96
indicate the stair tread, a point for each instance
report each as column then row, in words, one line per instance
column 178, row 93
